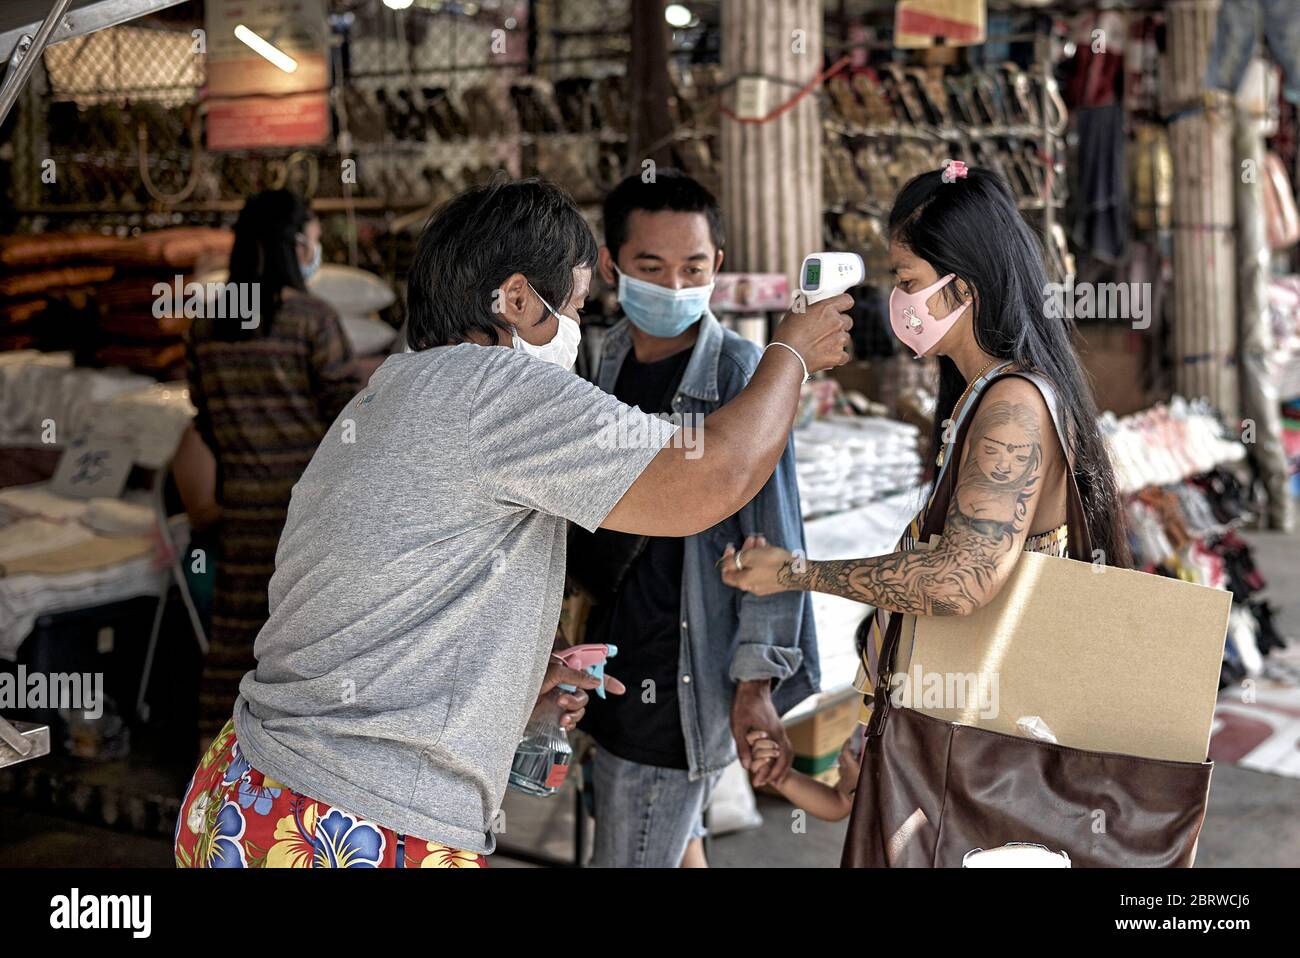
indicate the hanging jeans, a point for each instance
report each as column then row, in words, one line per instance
column 1240, row 25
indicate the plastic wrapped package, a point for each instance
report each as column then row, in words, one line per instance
column 844, row 462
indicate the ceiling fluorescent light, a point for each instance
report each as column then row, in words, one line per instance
column 261, row 47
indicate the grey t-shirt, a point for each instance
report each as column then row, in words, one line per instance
column 418, row 584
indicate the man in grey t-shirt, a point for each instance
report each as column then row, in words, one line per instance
column 419, row 576
column 418, row 584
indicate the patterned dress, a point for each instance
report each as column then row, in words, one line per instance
column 264, row 403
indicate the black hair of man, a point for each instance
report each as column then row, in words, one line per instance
column 478, row 239
column 669, row 190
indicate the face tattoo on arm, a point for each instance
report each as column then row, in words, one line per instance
column 987, row 524
column 1000, row 474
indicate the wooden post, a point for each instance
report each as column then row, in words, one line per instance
column 772, row 172
column 651, row 127
column 1204, row 333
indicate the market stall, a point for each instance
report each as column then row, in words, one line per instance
column 136, row 136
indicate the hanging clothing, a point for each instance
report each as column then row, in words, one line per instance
column 1094, row 76
column 1240, row 24
column 263, row 404
column 1101, row 226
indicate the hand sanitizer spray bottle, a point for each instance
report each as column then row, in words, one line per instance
column 543, row 756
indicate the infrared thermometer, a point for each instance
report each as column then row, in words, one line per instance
column 824, row 275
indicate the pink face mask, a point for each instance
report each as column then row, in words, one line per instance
column 912, row 321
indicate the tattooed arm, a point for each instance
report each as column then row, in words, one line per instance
column 1011, row 446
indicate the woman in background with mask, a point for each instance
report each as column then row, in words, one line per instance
column 266, row 389
column 1008, row 369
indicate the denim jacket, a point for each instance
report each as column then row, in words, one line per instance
column 730, row 636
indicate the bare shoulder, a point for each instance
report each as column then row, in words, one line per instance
column 1013, row 407
column 1016, row 389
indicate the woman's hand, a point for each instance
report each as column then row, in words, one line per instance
column 757, row 568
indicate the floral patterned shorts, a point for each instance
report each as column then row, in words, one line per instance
column 233, row 816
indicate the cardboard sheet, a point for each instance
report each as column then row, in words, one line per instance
column 1113, row 660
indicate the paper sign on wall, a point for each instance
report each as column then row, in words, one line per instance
column 750, row 292
column 923, row 23
column 253, row 102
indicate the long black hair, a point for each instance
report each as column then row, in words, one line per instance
column 971, row 228
column 266, row 253
column 476, row 241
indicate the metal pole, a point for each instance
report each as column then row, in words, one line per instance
column 25, row 741
column 23, row 60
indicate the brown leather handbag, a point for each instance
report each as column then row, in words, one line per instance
column 932, row 791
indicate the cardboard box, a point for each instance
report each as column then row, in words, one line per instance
column 817, row 740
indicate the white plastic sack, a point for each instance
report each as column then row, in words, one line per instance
column 368, row 335
column 733, row 807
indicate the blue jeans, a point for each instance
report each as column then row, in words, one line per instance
column 1239, row 26
column 645, row 816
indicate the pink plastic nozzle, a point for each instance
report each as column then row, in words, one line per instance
column 589, row 658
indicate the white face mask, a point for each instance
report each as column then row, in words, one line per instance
column 563, row 347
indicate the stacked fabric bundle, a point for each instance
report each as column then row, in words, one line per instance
column 40, row 274
column 150, row 420
column 848, row 461
column 40, row 530
column 58, row 553
column 36, row 388
column 95, row 294
column 133, row 335
column 182, row 248
column 358, row 296
column 39, row 388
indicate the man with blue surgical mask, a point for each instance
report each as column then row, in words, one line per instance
column 703, row 664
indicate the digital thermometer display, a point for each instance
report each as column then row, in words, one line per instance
column 843, row 272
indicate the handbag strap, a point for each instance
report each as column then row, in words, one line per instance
column 936, row 514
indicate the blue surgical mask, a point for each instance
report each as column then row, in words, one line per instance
column 660, row 311
column 309, row 270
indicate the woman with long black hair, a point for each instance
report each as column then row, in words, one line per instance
column 970, row 287
column 266, row 388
